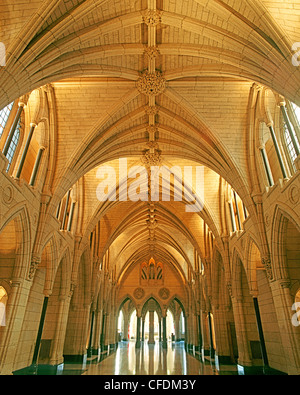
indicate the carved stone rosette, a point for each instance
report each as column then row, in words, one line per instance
column 152, row 17
column 151, row 159
column 152, row 110
column 151, row 84
column 139, row 293
column 164, row 293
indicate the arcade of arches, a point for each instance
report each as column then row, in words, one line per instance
column 96, row 248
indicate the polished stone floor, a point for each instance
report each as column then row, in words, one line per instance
column 150, row 360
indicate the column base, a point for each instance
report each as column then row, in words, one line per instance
column 113, row 347
column 104, row 352
column 224, row 360
column 77, row 359
column 258, row 370
column 92, row 351
column 164, row 344
column 43, row 370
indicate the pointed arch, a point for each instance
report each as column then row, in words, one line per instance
column 17, row 222
column 282, row 216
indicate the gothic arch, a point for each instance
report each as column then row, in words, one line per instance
column 159, row 308
column 282, row 217
column 123, row 301
column 19, row 222
column 177, row 299
column 253, row 263
column 238, row 269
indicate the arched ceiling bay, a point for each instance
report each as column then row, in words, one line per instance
column 95, row 53
column 107, row 38
column 133, row 232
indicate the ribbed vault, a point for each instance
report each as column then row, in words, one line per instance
column 151, row 58
column 104, row 38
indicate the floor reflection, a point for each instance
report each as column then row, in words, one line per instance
column 151, row 360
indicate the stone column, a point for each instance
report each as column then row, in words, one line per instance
column 105, row 348
column 151, row 328
column 102, row 336
column 205, row 335
column 290, row 337
column 241, row 332
column 200, row 332
column 211, row 343
column 89, row 350
column 143, row 328
column 164, row 341
column 177, row 327
column 125, row 325
column 10, row 334
column 56, row 352
column 40, row 332
column 97, row 332
column 138, row 332
column 260, row 332
column 222, row 345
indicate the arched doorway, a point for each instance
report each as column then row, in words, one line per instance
column 151, row 316
column 125, row 326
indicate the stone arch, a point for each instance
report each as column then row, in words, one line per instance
column 49, row 261
column 156, row 301
column 283, row 223
column 177, row 299
column 123, row 301
column 236, row 274
column 16, row 234
column 253, row 263
column 51, row 351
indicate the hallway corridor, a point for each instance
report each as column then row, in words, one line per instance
column 150, row 360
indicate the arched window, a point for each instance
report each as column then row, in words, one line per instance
column 13, row 145
column 4, row 114
column 151, row 271
column 291, row 128
column 159, row 272
column 144, row 274
column 289, row 143
column 3, row 302
column 296, row 112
